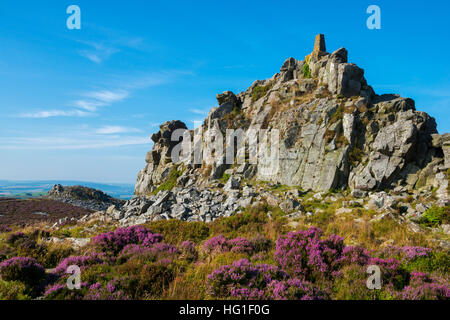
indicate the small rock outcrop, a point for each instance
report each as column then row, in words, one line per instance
column 84, row 197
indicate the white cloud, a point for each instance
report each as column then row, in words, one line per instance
column 101, row 98
column 66, row 143
column 88, row 105
column 108, row 96
column 198, row 111
column 90, row 101
column 98, row 52
column 91, row 56
column 54, row 113
column 115, row 130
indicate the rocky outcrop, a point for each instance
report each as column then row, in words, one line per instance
column 158, row 161
column 443, row 142
column 335, row 132
column 84, row 197
column 187, row 204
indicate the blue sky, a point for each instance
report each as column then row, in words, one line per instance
column 81, row 104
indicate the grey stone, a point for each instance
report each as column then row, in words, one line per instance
column 234, row 182
column 290, row 205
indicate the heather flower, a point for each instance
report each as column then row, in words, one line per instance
column 412, row 253
column 391, row 271
column 405, row 254
column 420, row 277
column 80, row 261
column 304, row 254
column 14, row 238
column 164, row 249
column 423, row 287
column 111, row 286
column 427, row 291
column 220, row 244
column 62, row 292
column 54, row 288
column 243, row 280
column 95, row 286
column 131, row 250
column 240, row 245
column 113, row 242
column 4, row 229
column 353, row 255
column 188, row 250
column 294, row 289
column 259, row 244
column 247, row 293
column 156, row 252
column 98, row 291
column 25, row 270
column 216, row 244
column 164, row 262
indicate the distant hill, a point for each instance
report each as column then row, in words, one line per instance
column 37, row 188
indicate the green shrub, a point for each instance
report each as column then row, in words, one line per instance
column 281, row 188
column 13, row 290
column 351, row 285
column 355, row 156
column 448, row 179
column 62, row 292
column 436, row 261
column 337, row 115
column 55, row 255
column 260, row 91
column 225, row 178
column 171, row 181
column 25, row 270
column 306, row 71
column 435, row 216
column 176, row 231
column 143, row 280
column 6, row 252
column 98, row 273
column 322, row 219
column 248, row 222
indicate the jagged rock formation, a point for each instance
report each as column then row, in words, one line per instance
column 335, row 132
column 158, row 161
column 79, row 196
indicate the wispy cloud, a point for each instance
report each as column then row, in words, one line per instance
column 88, row 102
column 94, row 57
column 97, row 52
column 199, row 111
column 92, row 100
column 66, row 143
column 100, row 51
column 88, row 105
column 115, row 130
column 54, row 113
column 108, row 96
